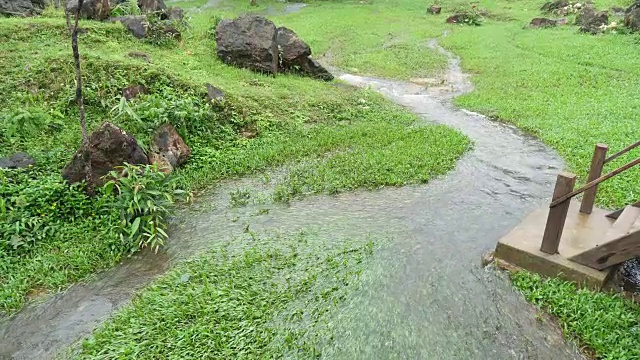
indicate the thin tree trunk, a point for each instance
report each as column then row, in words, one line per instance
column 86, row 154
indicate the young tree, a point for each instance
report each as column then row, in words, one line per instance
column 86, row 153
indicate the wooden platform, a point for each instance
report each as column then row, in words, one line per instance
column 521, row 247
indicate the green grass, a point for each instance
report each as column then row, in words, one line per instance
column 607, row 324
column 572, row 90
column 296, row 118
column 267, row 300
column 373, row 159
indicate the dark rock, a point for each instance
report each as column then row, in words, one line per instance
column 630, row 274
column 253, row 42
column 635, row 5
column 546, row 23
column 291, row 48
column 91, row 9
column 214, row 94
column 19, row 160
column 632, row 20
column 617, row 11
column 313, row 69
column 434, row 9
column 151, row 5
column 137, row 25
column 168, row 149
column 295, row 55
column 457, row 18
column 248, row 42
column 169, row 30
column 591, row 21
column 109, row 146
column 173, row 14
column 133, row 91
column 140, row 55
column 22, row 7
column 552, row 6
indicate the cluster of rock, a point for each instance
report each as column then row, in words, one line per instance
column 253, row 42
column 22, row 7
column 588, row 18
column 101, row 10
column 110, row 147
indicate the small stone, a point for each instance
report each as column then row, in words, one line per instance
column 168, row 149
column 132, row 91
column 434, row 9
column 214, row 94
column 140, row 55
column 20, row 160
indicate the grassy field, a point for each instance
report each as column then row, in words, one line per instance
column 49, row 231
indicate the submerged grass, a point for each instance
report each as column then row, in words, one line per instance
column 605, row 323
column 266, row 300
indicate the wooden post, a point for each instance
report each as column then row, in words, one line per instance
column 558, row 214
column 597, row 163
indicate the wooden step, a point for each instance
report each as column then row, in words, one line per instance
column 623, row 224
column 616, row 214
column 620, row 243
column 636, row 226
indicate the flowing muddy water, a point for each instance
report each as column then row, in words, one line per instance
column 427, row 295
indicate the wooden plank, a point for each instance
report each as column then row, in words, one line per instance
column 597, row 163
column 558, row 214
column 611, row 253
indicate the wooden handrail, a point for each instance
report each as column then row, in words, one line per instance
column 595, row 182
column 622, row 152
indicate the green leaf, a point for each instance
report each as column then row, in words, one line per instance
column 134, row 227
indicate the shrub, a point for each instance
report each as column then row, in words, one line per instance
column 33, row 206
column 144, row 198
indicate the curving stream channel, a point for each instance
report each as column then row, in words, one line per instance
column 435, row 300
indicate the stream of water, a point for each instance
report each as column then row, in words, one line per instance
column 437, row 303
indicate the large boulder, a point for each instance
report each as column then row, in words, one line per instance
column 168, row 149
column 632, row 20
column 254, row 43
column 151, row 5
column 91, row 9
column 248, row 42
column 295, row 55
column 19, row 160
column 291, row 48
column 109, row 146
column 22, row 7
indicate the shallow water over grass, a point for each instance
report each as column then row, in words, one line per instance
column 425, row 295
